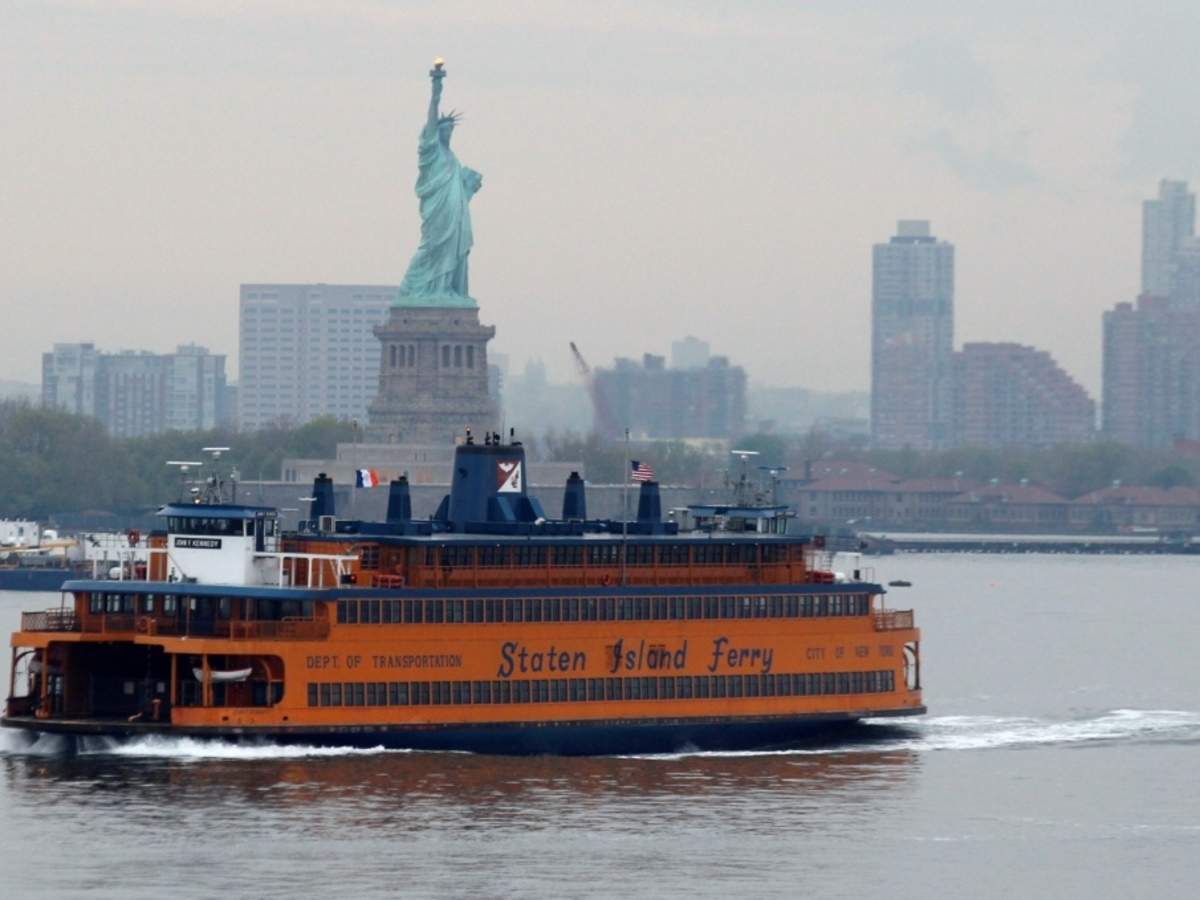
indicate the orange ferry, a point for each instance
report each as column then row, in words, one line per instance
column 487, row 628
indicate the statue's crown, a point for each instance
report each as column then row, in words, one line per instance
column 451, row 118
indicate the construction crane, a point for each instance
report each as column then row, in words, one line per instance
column 605, row 424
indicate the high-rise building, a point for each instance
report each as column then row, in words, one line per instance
column 1151, row 372
column 912, row 339
column 308, row 350
column 69, row 378
column 1010, row 395
column 131, row 392
column 690, row 353
column 135, row 392
column 1167, row 222
column 1185, row 273
column 656, row 402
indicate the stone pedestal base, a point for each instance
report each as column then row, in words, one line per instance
column 433, row 376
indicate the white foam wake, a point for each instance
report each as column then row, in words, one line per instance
column 992, row 732
column 187, row 748
column 934, row 733
column 937, row 733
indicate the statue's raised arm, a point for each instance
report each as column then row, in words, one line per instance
column 436, row 74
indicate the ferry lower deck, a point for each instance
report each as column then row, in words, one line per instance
column 519, row 671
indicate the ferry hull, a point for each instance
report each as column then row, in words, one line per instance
column 601, row 738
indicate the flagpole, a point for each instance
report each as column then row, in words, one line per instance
column 354, row 465
column 625, row 509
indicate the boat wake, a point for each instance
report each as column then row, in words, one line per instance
column 996, row 732
column 942, row 733
column 166, row 747
column 931, row 734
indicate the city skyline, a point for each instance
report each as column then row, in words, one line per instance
column 669, row 161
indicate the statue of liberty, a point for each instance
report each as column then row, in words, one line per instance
column 437, row 275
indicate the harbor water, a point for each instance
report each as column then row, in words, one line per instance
column 1059, row 759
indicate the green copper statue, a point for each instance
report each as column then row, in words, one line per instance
column 437, row 275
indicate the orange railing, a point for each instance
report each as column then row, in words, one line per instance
column 893, row 619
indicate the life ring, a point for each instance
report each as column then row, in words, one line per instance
column 135, row 537
column 144, row 625
column 606, row 580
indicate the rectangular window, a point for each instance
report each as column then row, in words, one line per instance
column 312, row 693
column 325, row 695
column 335, row 694
column 612, row 689
column 371, row 698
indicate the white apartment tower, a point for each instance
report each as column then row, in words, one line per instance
column 1168, row 222
column 308, row 350
column 912, row 339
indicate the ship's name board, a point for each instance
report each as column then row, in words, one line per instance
column 198, row 543
column 632, row 656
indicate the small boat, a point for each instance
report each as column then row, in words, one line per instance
column 223, row 675
column 899, row 582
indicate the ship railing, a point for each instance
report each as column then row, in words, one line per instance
column 288, row 628
column 311, row 570
column 893, row 619
column 49, row 620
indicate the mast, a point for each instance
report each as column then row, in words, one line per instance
column 625, row 510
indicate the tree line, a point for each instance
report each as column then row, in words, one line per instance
column 54, row 463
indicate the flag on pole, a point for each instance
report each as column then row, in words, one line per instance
column 366, row 478
column 641, row 471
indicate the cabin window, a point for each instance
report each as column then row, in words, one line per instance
column 95, row 603
column 312, row 694
column 148, row 603
column 568, row 555
column 491, row 556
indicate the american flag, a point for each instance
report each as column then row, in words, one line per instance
column 641, row 471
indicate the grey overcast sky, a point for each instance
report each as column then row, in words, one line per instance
column 651, row 168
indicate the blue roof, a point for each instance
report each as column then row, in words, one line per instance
column 215, row 511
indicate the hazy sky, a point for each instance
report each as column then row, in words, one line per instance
column 650, row 168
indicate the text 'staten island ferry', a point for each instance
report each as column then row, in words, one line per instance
column 488, row 628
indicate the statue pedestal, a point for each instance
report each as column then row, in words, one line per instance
column 433, row 375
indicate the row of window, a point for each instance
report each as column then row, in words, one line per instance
column 201, row 607
column 608, row 553
column 575, row 690
column 599, row 609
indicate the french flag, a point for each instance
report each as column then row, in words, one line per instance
column 366, row 478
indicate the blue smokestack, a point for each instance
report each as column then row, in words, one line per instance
column 649, row 503
column 575, row 499
column 399, row 508
column 322, row 502
column 489, row 485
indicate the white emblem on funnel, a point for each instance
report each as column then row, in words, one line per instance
column 508, row 477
